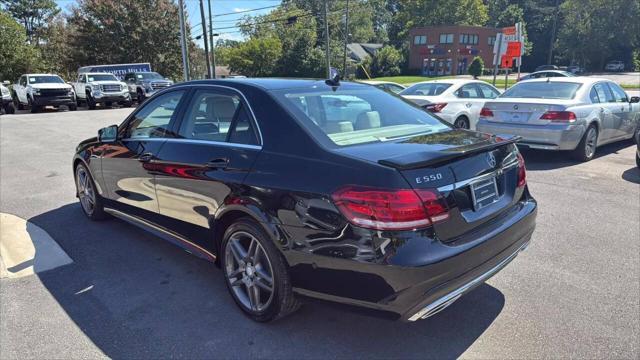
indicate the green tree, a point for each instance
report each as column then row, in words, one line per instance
column 16, row 56
column 257, row 57
column 34, row 15
column 56, row 49
column 387, row 62
column 476, row 67
column 112, row 32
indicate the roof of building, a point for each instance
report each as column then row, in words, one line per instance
column 361, row 51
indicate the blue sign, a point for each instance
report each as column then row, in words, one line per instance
column 119, row 70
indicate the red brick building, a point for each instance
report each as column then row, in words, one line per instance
column 449, row 50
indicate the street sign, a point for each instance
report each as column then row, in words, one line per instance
column 514, row 49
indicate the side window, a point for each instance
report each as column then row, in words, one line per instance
column 618, row 94
column 218, row 116
column 469, row 91
column 603, row 92
column 488, row 92
column 593, row 95
column 152, row 121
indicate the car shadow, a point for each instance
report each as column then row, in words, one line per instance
column 632, row 175
column 137, row 296
column 550, row 160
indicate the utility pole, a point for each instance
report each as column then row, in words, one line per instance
column 346, row 39
column 213, row 53
column 204, row 37
column 553, row 32
column 326, row 36
column 183, row 41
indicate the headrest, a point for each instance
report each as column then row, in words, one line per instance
column 368, row 120
column 334, row 127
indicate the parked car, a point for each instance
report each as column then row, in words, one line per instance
column 547, row 74
column 546, row 67
column 7, row 100
column 39, row 90
column 571, row 113
column 144, row 84
column 615, row 65
column 385, row 85
column 389, row 209
column 101, row 88
column 457, row 101
column 575, row 69
column 638, row 148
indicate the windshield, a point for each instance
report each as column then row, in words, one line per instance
column 542, row 90
column 356, row 116
column 426, row 89
column 102, row 77
column 149, row 76
column 46, row 79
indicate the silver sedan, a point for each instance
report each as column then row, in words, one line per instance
column 572, row 113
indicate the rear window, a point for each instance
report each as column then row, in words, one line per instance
column 542, row 90
column 428, row 89
column 356, row 116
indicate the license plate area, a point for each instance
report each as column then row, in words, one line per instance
column 484, row 193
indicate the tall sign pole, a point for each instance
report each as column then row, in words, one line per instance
column 496, row 57
column 204, row 37
column 183, row 41
column 213, row 46
column 346, row 39
column 521, row 39
column 326, row 36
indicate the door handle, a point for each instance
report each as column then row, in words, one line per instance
column 219, row 163
column 146, row 157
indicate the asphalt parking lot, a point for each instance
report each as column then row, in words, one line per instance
column 575, row 292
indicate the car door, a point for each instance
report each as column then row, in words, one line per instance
column 216, row 145
column 471, row 98
column 126, row 168
column 623, row 124
column 605, row 106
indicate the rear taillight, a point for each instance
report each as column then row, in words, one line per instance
column 486, row 112
column 559, row 116
column 383, row 209
column 522, row 171
column 435, row 107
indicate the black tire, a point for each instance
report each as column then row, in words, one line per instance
column 108, row 104
column 91, row 103
column 252, row 272
column 34, row 108
column 141, row 98
column 462, row 122
column 586, row 149
column 72, row 107
column 96, row 210
column 126, row 104
column 10, row 108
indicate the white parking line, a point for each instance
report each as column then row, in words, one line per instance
column 26, row 249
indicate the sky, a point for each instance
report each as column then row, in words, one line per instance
column 235, row 8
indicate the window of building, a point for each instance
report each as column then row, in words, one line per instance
column 446, row 38
column 492, row 40
column 420, row 39
column 470, row 39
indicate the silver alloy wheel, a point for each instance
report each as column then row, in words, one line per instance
column 590, row 142
column 248, row 270
column 460, row 123
column 86, row 192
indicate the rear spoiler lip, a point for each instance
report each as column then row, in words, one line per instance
column 437, row 157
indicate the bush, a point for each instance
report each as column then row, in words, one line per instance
column 386, row 62
column 476, row 67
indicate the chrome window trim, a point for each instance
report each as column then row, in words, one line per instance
column 463, row 183
column 190, row 86
column 196, row 141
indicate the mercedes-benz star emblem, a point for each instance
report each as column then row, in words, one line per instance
column 491, row 159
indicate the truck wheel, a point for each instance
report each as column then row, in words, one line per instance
column 10, row 108
column 34, row 108
column 108, row 104
column 73, row 107
column 141, row 97
column 91, row 103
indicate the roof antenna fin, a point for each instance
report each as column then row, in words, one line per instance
column 334, row 77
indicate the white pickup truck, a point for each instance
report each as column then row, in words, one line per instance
column 101, row 88
column 39, row 90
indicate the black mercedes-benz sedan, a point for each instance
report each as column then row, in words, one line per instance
column 312, row 188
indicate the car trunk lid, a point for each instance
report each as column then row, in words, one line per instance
column 523, row 111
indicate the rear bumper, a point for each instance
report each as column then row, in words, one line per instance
column 546, row 137
column 53, row 100
column 410, row 292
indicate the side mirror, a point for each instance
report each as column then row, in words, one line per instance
column 6, row 82
column 108, row 134
column 634, row 99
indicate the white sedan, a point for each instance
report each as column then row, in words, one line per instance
column 457, row 101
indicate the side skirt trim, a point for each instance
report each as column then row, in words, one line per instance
column 163, row 233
